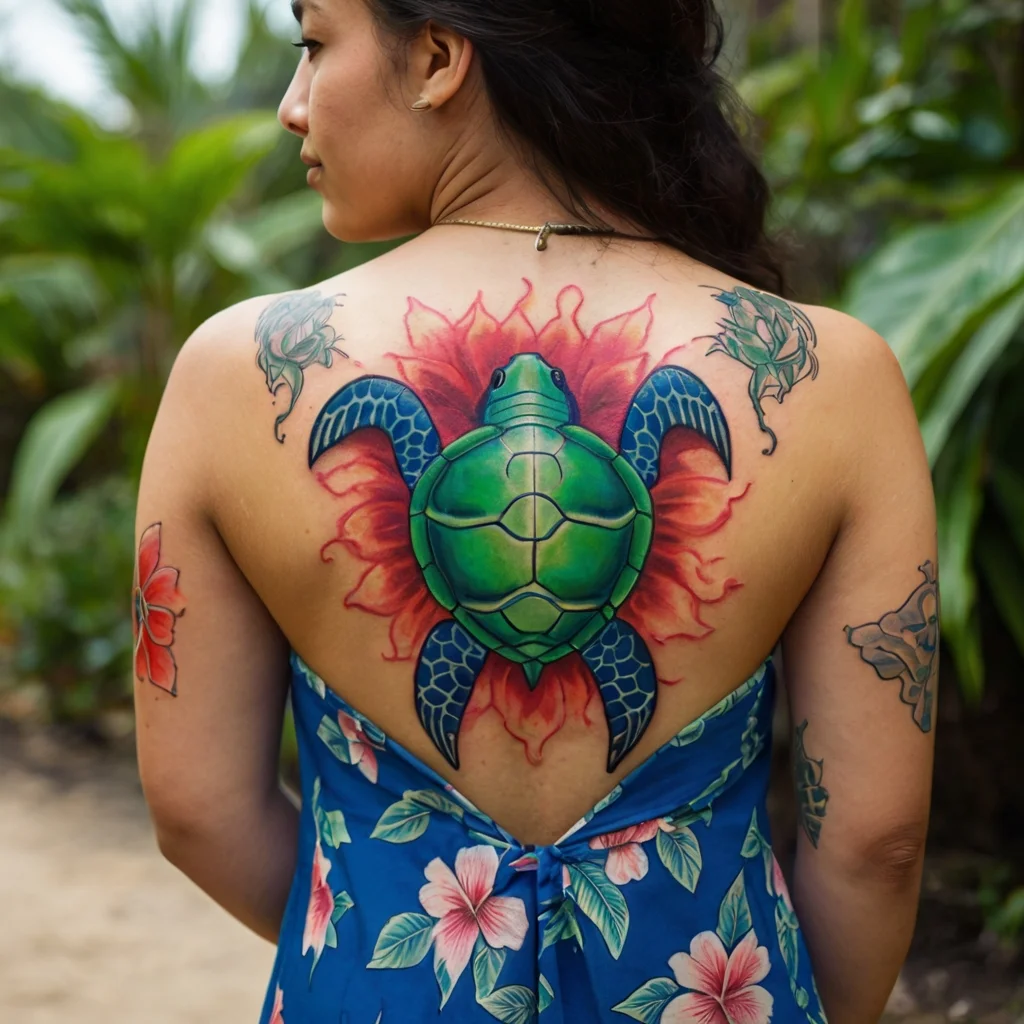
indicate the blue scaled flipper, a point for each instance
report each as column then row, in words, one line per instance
column 389, row 405
column 625, row 677
column 671, row 397
column 449, row 663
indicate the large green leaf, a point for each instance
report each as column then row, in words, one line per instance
column 203, row 171
column 931, row 283
column 959, row 500
column 974, row 362
column 54, row 442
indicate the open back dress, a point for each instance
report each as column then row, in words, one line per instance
column 664, row 903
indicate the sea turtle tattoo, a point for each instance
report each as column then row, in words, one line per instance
column 530, row 530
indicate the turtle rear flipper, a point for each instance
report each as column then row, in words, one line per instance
column 450, row 661
column 625, row 677
column 389, row 405
column 671, row 397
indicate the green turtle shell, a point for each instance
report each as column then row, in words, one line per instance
column 532, row 536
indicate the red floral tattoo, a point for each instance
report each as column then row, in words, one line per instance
column 156, row 605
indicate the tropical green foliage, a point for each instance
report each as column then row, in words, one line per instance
column 114, row 246
column 897, row 158
column 65, row 594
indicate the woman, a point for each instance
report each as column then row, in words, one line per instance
column 519, row 515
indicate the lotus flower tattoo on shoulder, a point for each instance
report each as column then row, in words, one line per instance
column 904, row 645
column 775, row 340
column 293, row 333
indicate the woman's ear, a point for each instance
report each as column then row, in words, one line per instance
column 439, row 60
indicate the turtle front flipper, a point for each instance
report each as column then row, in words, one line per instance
column 625, row 677
column 449, row 663
column 671, row 397
column 389, row 405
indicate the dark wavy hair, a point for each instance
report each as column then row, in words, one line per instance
column 620, row 99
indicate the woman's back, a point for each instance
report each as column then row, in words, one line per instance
column 738, row 536
column 521, row 527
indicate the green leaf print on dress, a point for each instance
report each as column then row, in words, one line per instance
column 403, row 941
column 648, row 1002
column 513, row 1004
column 600, row 899
column 407, row 819
column 734, row 913
column 680, row 853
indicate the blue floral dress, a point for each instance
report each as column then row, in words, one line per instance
column 664, row 903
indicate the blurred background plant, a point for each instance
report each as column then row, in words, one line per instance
column 114, row 246
column 893, row 140
column 891, row 133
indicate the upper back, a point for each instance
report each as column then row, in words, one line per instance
column 743, row 519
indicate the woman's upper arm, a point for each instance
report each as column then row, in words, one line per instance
column 210, row 663
column 860, row 656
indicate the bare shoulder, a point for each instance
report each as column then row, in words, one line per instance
column 859, row 380
column 273, row 330
column 853, row 350
column 859, row 416
column 258, row 352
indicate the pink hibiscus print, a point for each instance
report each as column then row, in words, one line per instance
column 321, row 906
column 360, row 751
column 465, row 907
column 627, row 860
column 725, row 985
column 277, row 1013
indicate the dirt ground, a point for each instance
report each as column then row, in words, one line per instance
column 94, row 925
column 96, row 928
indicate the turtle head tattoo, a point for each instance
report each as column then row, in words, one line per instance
column 530, row 530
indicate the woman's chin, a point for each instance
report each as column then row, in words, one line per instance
column 353, row 230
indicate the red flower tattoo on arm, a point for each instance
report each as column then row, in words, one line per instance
column 157, row 604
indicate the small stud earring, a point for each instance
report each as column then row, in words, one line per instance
column 421, row 104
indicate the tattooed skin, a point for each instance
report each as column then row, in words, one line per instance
column 508, row 507
column 157, row 604
column 773, row 339
column 903, row 644
column 811, row 795
column 293, row 333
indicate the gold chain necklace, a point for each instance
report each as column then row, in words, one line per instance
column 542, row 231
